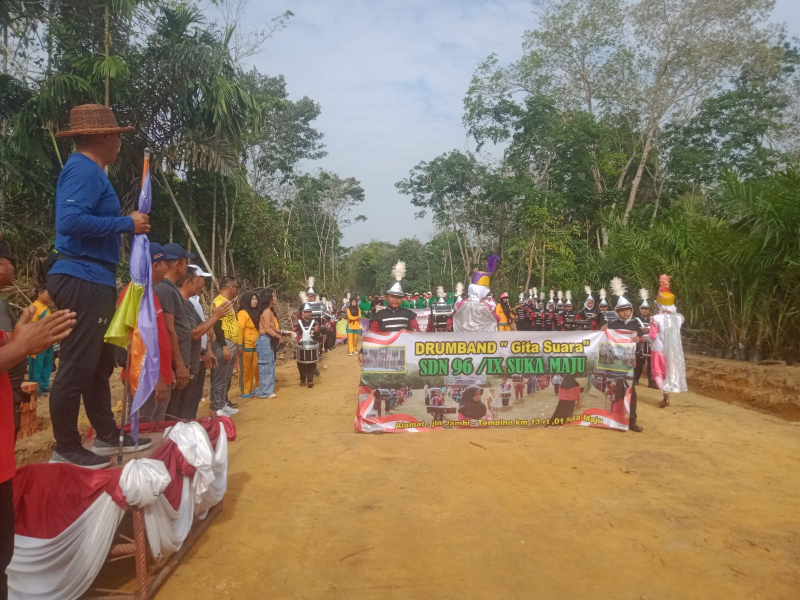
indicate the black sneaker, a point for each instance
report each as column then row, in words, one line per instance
column 232, row 404
column 302, row 383
column 637, row 428
column 310, row 384
column 81, row 458
column 110, row 447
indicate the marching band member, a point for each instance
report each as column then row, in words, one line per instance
column 441, row 307
column 666, row 354
column 603, row 306
column 394, row 317
column 476, row 313
column 569, row 314
column 550, row 312
column 307, row 330
column 624, row 310
column 643, row 347
column 307, row 297
column 588, row 316
column 459, row 293
column 520, row 311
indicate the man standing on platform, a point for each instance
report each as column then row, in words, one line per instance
column 89, row 231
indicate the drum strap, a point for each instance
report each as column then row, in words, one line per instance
column 306, row 337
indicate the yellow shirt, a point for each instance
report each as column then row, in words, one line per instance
column 42, row 310
column 230, row 324
column 248, row 332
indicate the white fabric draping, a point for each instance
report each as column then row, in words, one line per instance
column 65, row 566
column 217, row 487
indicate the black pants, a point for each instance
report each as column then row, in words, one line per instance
column 194, row 394
column 86, row 362
column 6, row 533
column 306, row 371
column 178, row 400
column 523, row 325
column 556, row 386
column 637, row 370
column 633, row 405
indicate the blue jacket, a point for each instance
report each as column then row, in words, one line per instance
column 88, row 222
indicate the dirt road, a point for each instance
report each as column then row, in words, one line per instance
column 704, row 504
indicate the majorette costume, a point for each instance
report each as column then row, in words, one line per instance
column 666, row 347
column 474, row 313
column 629, row 324
column 587, row 318
column 643, row 347
column 395, row 319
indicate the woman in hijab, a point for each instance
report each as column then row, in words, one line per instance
column 471, row 406
column 248, row 335
column 353, row 325
column 569, row 394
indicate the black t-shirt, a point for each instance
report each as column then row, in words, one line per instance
column 8, row 320
column 173, row 303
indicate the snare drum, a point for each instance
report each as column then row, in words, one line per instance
column 307, row 353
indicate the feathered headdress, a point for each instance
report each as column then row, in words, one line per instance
column 398, row 272
column 459, row 289
column 665, row 296
column 552, row 298
column 303, row 297
column 440, row 291
column 568, row 296
column 603, row 301
column 482, row 277
column 619, row 289
column 560, row 296
column 644, row 295
column 588, row 290
column 310, row 289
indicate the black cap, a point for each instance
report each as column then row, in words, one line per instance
column 177, row 251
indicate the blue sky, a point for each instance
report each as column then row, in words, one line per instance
column 390, row 76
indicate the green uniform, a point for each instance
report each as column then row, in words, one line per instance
column 421, row 303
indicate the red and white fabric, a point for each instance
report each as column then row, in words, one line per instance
column 66, row 516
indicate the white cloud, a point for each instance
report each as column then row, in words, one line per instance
column 390, row 76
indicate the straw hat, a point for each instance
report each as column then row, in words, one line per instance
column 92, row 119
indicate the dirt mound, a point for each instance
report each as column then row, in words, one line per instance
column 774, row 389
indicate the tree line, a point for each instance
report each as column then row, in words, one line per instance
column 227, row 142
column 642, row 138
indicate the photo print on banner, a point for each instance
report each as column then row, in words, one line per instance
column 413, row 382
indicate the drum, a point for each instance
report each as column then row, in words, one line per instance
column 307, row 352
column 645, row 346
column 569, row 321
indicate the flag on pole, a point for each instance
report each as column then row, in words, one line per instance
column 136, row 311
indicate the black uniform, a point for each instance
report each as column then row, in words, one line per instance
column 589, row 318
column 398, row 319
column 538, row 319
column 631, row 325
column 569, row 321
column 307, row 371
column 641, row 359
column 522, row 321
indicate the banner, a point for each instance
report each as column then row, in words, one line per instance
column 413, row 382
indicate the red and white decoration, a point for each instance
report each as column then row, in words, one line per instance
column 66, row 516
